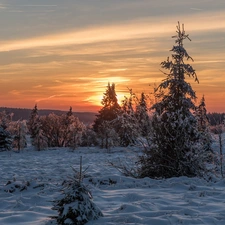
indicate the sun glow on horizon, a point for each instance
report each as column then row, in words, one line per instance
column 61, row 61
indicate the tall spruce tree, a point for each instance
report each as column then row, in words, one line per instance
column 174, row 150
column 110, row 108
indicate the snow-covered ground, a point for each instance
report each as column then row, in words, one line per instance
column 31, row 180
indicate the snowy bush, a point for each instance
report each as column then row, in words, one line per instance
column 76, row 205
column 55, row 130
column 89, row 137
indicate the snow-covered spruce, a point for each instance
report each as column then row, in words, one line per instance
column 176, row 146
column 76, row 205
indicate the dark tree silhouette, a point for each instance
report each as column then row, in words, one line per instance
column 110, row 108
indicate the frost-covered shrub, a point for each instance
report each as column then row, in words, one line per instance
column 76, row 206
column 62, row 130
column 89, row 137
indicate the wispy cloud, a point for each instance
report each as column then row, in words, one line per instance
column 33, row 5
column 113, row 70
column 196, row 9
column 2, row 6
column 28, row 8
column 47, row 98
column 91, row 35
column 38, row 86
column 210, row 61
column 130, row 30
column 15, row 92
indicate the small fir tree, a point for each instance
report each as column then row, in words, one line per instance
column 76, row 206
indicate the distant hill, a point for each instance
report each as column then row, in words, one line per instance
column 23, row 114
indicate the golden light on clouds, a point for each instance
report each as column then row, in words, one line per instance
column 96, row 99
column 72, row 65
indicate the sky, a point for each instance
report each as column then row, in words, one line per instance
column 58, row 54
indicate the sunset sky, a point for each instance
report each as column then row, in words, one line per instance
column 62, row 53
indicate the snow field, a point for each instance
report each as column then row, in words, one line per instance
column 31, row 180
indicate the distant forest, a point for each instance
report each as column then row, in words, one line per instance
column 216, row 118
column 24, row 114
column 87, row 117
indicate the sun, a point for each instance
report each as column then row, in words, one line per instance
column 97, row 99
column 120, row 97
